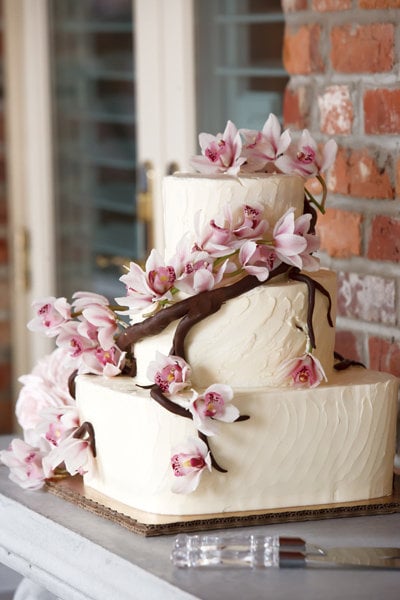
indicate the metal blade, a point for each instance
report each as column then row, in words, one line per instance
column 356, row 557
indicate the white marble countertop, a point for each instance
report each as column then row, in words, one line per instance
column 78, row 555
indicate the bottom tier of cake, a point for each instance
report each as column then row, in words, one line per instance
column 333, row 443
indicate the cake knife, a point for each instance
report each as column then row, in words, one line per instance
column 258, row 551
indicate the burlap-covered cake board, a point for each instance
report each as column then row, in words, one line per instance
column 148, row 524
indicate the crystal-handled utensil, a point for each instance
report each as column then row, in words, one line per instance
column 258, row 551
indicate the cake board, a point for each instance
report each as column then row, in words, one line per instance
column 149, row 524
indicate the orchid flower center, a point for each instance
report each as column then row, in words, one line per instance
column 303, row 375
column 162, row 279
column 213, row 404
column 306, row 155
column 168, row 375
column 182, row 463
column 196, row 462
column 76, row 346
column 30, row 457
column 105, row 356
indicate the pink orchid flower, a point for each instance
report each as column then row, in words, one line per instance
column 50, row 314
column 25, row 464
column 263, row 147
column 87, row 330
column 216, row 237
column 288, row 244
column 108, row 363
column 75, row 454
column 82, row 300
column 199, row 277
column 302, row 226
column 45, row 387
column 225, row 234
column 213, row 405
column 105, row 323
column 258, row 260
column 57, row 423
column 195, row 268
column 144, row 288
column 72, row 341
column 302, row 372
column 170, row 373
column 251, row 225
column 188, row 462
column 305, row 159
column 220, row 153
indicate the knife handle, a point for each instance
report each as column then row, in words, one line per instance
column 237, row 550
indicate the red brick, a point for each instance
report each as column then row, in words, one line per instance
column 327, row 5
column 336, row 110
column 362, row 48
column 340, row 233
column 293, row 5
column 384, row 355
column 3, row 211
column 5, row 334
column 2, row 124
column 398, row 177
column 340, row 175
column 3, row 251
column 358, row 173
column 382, row 111
column 2, row 170
column 367, row 297
column 4, row 295
column 384, row 243
column 296, row 108
column 301, row 50
column 348, row 345
column 368, row 178
column 6, row 415
column 379, row 3
column 5, row 376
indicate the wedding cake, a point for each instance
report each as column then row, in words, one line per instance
column 228, row 395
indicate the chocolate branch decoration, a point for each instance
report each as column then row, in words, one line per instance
column 312, row 285
column 194, row 309
column 345, row 363
column 157, row 395
column 86, row 431
column 204, row 303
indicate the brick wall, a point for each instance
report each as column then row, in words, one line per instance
column 343, row 57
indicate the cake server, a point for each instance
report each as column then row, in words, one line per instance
column 260, row 551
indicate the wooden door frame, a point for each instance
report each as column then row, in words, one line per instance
column 29, row 170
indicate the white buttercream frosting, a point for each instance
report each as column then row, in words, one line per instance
column 333, row 443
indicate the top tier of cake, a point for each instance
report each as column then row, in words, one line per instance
column 185, row 194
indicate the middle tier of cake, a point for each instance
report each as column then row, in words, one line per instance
column 246, row 341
